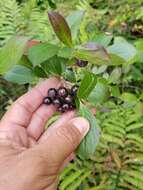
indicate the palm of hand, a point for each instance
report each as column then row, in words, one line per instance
column 23, row 141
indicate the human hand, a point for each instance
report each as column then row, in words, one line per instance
column 31, row 158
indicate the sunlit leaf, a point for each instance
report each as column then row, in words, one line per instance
column 11, row 53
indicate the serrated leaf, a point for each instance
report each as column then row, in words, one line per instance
column 61, row 28
column 11, row 53
column 20, row 74
column 87, row 85
column 42, row 52
column 87, row 147
column 93, row 53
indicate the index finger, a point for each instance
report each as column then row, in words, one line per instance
column 22, row 110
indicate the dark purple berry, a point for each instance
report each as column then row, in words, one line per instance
column 74, row 90
column 52, row 93
column 65, row 107
column 68, row 99
column 47, row 101
column 61, row 110
column 62, row 92
column 81, row 63
column 57, row 102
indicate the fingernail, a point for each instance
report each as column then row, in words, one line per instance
column 82, row 125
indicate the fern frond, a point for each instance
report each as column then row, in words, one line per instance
column 118, row 161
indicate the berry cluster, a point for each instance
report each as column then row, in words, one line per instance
column 62, row 98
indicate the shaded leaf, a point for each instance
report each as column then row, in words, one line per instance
column 87, row 85
column 42, row 52
column 11, row 53
column 69, row 75
column 55, row 65
column 87, row 147
column 20, row 74
column 40, row 72
column 61, row 28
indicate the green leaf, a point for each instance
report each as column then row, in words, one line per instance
column 40, row 72
column 95, row 55
column 87, row 147
column 115, row 75
column 100, row 93
column 20, row 75
column 115, row 59
column 55, row 65
column 69, row 75
column 139, row 44
column 124, row 50
column 11, row 53
column 42, row 52
column 87, row 85
column 66, row 52
column 61, row 28
column 25, row 62
column 102, row 39
column 129, row 98
column 74, row 20
column 115, row 91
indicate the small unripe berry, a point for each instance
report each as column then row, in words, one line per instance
column 52, row 93
column 47, row 100
column 62, row 92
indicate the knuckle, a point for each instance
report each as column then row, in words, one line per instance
column 70, row 135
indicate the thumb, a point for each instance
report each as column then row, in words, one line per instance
column 64, row 140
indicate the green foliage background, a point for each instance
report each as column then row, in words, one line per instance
column 118, row 95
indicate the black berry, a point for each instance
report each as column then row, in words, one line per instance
column 81, row 63
column 47, row 101
column 65, row 107
column 68, row 99
column 57, row 102
column 52, row 93
column 74, row 90
column 62, row 92
column 61, row 110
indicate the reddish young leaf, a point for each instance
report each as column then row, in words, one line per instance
column 61, row 28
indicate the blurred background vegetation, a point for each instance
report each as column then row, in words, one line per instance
column 105, row 21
